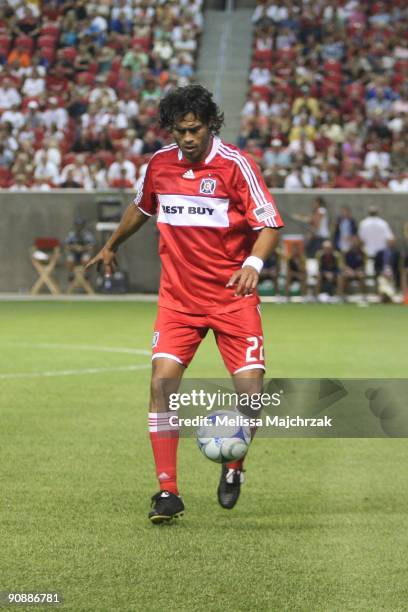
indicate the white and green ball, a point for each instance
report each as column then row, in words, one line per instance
column 223, row 442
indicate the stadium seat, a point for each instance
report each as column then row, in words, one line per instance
column 5, row 41
column 45, row 254
column 5, row 177
column 69, row 54
column 85, row 78
column 51, row 29
column 24, row 43
column 47, row 54
column 47, row 41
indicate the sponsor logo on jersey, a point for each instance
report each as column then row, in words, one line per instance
column 189, row 174
column 193, row 211
column 264, row 212
column 155, row 339
column 208, row 185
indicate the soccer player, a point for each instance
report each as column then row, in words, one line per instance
column 217, row 224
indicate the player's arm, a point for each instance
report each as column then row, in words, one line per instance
column 246, row 279
column 131, row 222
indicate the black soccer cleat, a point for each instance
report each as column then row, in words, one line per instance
column 229, row 487
column 166, row 506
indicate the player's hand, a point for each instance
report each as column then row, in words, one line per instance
column 245, row 279
column 106, row 258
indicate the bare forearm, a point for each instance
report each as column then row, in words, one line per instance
column 131, row 222
column 266, row 243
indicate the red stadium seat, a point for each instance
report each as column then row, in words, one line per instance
column 106, row 156
column 264, row 91
column 47, row 54
column 3, row 52
column 116, row 64
column 5, row 177
column 332, row 66
column 51, row 29
column 69, row 54
column 93, row 67
column 112, row 79
column 85, row 78
column 69, row 158
column 47, row 41
column 5, row 41
column 24, row 43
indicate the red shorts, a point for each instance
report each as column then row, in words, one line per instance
column 238, row 334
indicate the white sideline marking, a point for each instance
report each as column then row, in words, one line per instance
column 78, row 347
column 73, row 372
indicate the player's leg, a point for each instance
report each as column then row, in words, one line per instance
column 164, row 435
column 175, row 340
column 239, row 338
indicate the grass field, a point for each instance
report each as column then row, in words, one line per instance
column 321, row 524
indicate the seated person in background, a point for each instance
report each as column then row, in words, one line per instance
column 70, row 182
column 354, row 265
column 387, row 270
column 404, row 275
column 271, row 270
column 296, row 270
column 79, row 245
column 329, row 263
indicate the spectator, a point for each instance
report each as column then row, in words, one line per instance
column 387, row 262
column 69, row 181
column 14, row 117
column 345, row 230
column 76, row 172
column 374, row 233
column 55, row 115
column 79, row 245
column 296, row 270
column 349, row 178
column 399, row 182
column 122, row 182
column 115, row 169
column 354, row 266
column 34, row 85
column 9, row 95
column 276, row 155
column 45, row 169
column 20, row 183
column 330, row 268
column 271, row 270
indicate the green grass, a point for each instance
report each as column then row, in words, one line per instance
column 321, row 524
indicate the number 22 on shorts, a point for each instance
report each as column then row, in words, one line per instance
column 255, row 350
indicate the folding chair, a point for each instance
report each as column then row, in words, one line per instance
column 79, row 281
column 45, row 254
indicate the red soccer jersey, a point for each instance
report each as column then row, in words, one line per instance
column 206, row 214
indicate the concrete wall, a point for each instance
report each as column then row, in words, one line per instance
column 25, row 216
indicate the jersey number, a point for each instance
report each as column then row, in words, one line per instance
column 255, row 348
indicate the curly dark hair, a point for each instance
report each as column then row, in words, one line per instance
column 191, row 99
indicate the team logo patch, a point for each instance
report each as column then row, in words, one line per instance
column 155, row 340
column 264, row 212
column 208, row 185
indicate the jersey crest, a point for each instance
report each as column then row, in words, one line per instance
column 207, row 186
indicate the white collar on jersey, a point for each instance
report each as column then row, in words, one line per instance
column 214, row 149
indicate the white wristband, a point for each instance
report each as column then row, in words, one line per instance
column 255, row 262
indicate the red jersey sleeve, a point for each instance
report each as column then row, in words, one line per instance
column 261, row 210
column 146, row 198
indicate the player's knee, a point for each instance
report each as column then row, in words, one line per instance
column 165, row 380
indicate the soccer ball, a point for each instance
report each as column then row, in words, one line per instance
column 224, row 438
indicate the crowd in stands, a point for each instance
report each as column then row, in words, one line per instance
column 328, row 94
column 345, row 255
column 80, row 84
